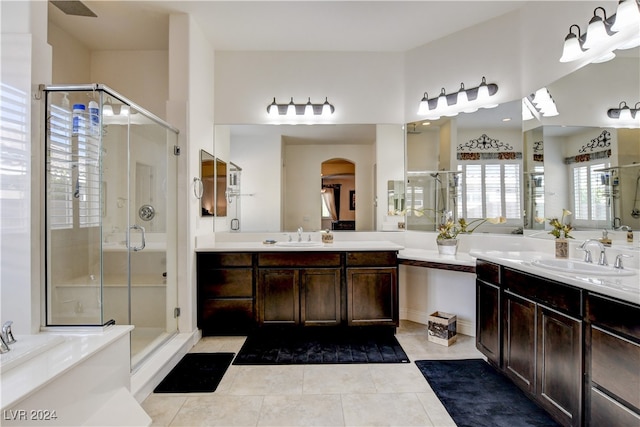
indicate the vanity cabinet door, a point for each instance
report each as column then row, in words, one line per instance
column 320, row 297
column 372, row 296
column 488, row 327
column 519, row 331
column 613, row 362
column 278, row 297
column 559, row 365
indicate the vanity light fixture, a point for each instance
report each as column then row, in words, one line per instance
column 605, row 34
column 624, row 113
column 539, row 104
column 308, row 109
column 464, row 100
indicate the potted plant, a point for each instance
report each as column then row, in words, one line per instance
column 449, row 230
column 561, row 232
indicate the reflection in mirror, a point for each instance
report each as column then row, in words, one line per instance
column 599, row 169
column 469, row 165
column 590, row 159
column 338, row 194
column 533, row 160
column 221, row 188
column 234, row 195
column 396, row 197
column 282, row 167
column 208, row 183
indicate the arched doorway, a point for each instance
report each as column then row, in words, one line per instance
column 338, row 194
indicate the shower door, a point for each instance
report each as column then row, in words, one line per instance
column 139, row 158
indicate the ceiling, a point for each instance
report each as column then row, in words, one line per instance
column 368, row 26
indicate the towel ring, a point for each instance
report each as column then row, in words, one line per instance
column 198, row 189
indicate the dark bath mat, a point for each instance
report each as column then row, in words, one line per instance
column 320, row 346
column 196, row 373
column 477, row 395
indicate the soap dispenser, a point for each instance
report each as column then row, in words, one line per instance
column 605, row 240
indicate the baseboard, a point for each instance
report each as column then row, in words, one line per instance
column 463, row 327
column 154, row 369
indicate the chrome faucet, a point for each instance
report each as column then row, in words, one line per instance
column 4, row 347
column 6, row 332
column 6, row 337
column 300, row 230
column 602, row 260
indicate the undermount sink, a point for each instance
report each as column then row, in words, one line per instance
column 304, row 244
column 581, row 267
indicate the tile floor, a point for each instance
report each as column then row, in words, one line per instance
column 316, row 395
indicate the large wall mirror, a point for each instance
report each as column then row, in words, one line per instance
column 469, row 166
column 585, row 161
column 283, row 178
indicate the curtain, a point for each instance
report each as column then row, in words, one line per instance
column 328, row 195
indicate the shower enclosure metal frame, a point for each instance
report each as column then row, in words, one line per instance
column 110, row 215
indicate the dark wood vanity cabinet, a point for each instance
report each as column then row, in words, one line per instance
column 531, row 329
column 237, row 291
column 226, row 289
column 612, row 362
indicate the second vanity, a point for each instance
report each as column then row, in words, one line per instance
column 570, row 341
column 244, row 285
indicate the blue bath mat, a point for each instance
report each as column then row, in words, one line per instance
column 321, row 346
column 196, row 373
column 477, row 395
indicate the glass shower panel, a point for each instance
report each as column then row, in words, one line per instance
column 73, row 197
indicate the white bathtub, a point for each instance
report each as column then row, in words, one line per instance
column 84, row 379
column 27, row 347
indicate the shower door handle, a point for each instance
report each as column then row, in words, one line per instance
column 142, row 245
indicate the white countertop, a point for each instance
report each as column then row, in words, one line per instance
column 461, row 258
column 356, row 245
column 626, row 288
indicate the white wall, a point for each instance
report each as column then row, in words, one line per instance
column 141, row 76
column 26, row 60
column 71, row 58
column 364, row 87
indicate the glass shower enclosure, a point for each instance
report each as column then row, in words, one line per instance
column 110, row 215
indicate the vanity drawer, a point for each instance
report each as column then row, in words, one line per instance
column 614, row 315
column 552, row 294
column 299, row 259
column 372, row 259
column 221, row 283
column 615, row 365
column 229, row 259
column 488, row 271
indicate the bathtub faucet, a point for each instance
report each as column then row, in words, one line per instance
column 6, row 337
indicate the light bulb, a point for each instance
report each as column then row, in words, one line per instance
column 326, row 108
column 273, row 109
column 627, row 16
column 572, row 49
column 308, row 109
column 596, row 31
column 424, row 105
column 291, row 109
